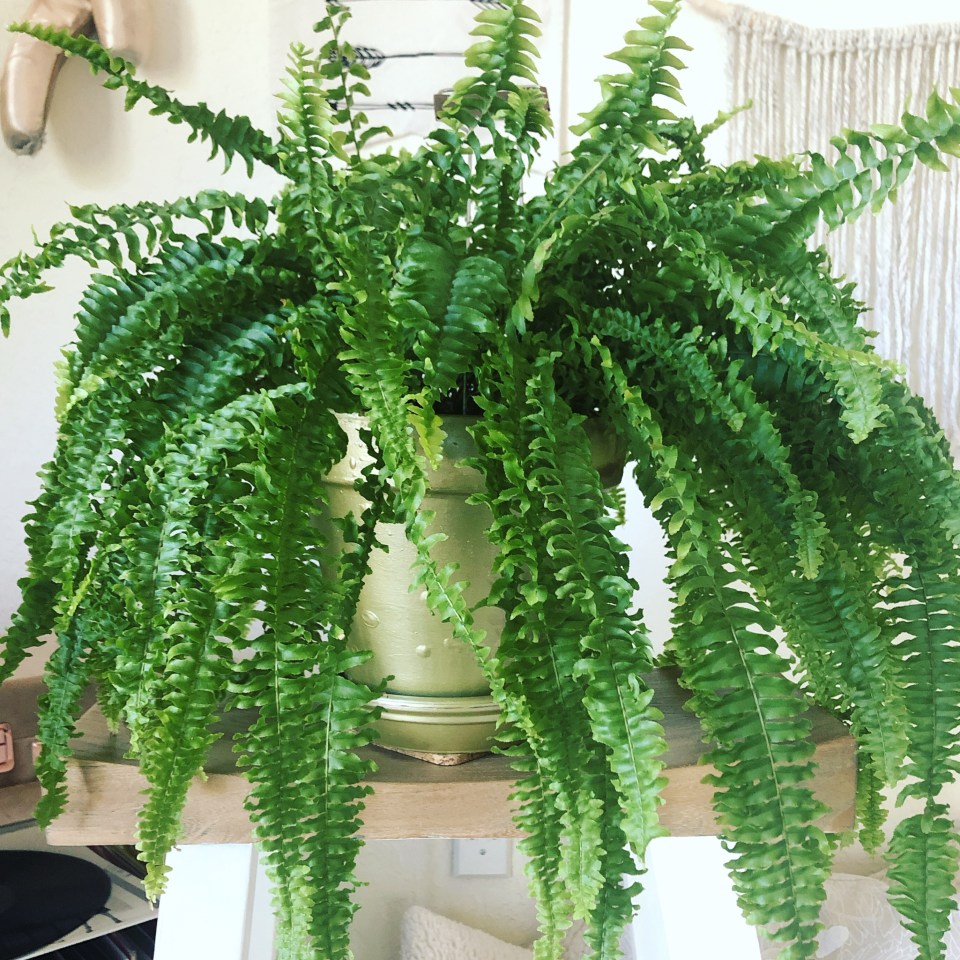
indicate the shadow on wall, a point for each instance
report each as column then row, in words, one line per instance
column 404, row 873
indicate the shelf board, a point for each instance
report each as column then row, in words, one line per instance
column 411, row 798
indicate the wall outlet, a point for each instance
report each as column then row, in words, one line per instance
column 482, row 858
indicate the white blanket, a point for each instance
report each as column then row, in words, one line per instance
column 428, row 936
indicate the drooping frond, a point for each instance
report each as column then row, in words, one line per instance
column 66, row 676
column 542, row 844
column 922, row 854
column 503, row 60
column 122, row 235
column 104, row 374
column 572, row 684
column 230, row 136
column 310, row 717
column 749, row 709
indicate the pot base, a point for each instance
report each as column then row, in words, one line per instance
column 444, row 725
column 437, row 759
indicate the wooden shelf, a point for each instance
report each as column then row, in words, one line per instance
column 411, row 798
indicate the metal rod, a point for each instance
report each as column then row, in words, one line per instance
column 716, row 9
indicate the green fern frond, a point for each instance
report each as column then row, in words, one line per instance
column 691, row 143
column 381, row 377
column 35, row 615
column 615, row 500
column 763, row 755
column 752, row 438
column 345, row 76
column 193, row 682
column 859, row 375
column 627, row 103
column 625, row 121
column 541, row 844
column 122, row 235
column 926, row 610
column 567, row 702
column 922, row 862
column 871, row 813
column 165, row 541
column 114, row 348
column 306, row 119
column 122, row 329
column 614, row 906
column 862, row 686
column 748, row 707
column 215, row 365
column 231, row 136
column 841, row 190
column 537, row 661
column 504, row 60
column 66, row 676
column 447, row 308
column 294, row 679
column 309, row 142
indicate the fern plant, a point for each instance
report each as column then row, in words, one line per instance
column 809, row 499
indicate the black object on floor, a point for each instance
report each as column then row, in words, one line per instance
column 44, row 896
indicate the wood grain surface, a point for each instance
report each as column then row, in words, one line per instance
column 411, row 798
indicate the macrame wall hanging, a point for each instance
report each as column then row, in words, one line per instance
column 808, row 84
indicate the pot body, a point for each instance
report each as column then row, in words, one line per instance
column 437, row 699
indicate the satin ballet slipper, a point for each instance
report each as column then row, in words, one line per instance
column 30, row 71
column 31, row 68
column 123, row 27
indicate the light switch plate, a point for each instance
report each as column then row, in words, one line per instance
column 482, row 858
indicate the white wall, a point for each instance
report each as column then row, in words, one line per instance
column 405, row 872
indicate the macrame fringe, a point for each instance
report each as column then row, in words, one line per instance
column 809, row 84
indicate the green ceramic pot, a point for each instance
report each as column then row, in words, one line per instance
column 438, row 699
